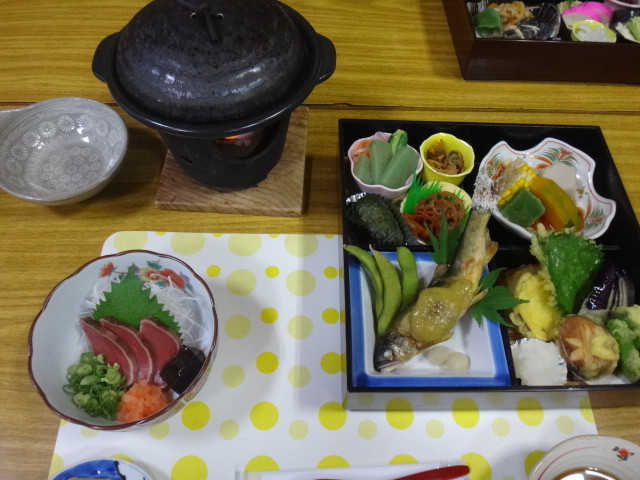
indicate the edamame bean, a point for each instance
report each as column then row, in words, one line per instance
column 392, row 297
column 369, row 264
column 408, row 275
column 380, row 153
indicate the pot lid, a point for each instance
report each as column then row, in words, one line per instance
column 209, row 60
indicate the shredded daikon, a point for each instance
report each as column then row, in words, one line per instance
column 181, row 303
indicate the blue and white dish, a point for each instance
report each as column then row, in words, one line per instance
column 483, row 344
column 104, row 469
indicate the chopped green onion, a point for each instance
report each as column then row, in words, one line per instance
column 95, row 386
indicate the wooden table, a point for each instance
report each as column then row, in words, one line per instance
column 395, row 61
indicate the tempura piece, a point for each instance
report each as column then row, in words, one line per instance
column 588, row 348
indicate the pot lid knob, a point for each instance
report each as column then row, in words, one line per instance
column 211, row 19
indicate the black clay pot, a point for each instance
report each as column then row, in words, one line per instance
column 203, row 70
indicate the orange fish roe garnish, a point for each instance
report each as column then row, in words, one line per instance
column 141, row 400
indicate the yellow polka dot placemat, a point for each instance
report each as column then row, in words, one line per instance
column 273, row 400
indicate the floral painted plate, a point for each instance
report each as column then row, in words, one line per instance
column 617, row 457
column 597, row 211
column 104, row 469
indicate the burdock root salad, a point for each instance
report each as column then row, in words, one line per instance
column 142, row 343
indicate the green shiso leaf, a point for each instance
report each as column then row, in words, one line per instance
column 129, row 302
column 497, row 298
column 572, row 263
column 445, row 246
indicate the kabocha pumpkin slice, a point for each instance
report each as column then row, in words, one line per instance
column 560, row 211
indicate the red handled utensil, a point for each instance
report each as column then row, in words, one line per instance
column 442, row 473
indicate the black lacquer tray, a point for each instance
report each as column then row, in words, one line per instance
column 619, row 242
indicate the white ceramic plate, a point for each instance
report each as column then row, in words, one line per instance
column 598, row 211
column 104, row 469
column 483, row 344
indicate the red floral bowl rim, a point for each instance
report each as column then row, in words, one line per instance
column 175, row 404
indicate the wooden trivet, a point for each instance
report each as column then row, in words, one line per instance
column 281, row 194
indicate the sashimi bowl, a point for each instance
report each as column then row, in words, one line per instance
column 125, row 341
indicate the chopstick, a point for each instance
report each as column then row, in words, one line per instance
column 443, row 473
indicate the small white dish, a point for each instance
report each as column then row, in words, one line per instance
column 483, row 344
column 361, row 146
column 61, row 150
column 615, row 456
column 104, row 469
column 597, row 211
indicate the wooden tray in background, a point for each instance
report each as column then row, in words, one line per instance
column 563, row 60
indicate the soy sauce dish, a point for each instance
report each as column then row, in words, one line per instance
column 104, row 469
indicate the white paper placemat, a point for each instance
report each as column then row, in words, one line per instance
column 274, row 398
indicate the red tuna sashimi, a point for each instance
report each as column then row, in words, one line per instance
column 114, row 350
column 163, row 342
column 132, row 338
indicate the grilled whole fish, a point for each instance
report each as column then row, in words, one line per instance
column 452, row 290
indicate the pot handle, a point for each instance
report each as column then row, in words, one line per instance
column 103, row 56
column 327, row 58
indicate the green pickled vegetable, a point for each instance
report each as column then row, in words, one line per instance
column 363, row 169
column 572, row 263
column 95, row 386
column 487, row 22
column 380, row 153
column 398, row 140
column 400, row 167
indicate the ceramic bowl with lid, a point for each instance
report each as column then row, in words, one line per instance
column 213, row 69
